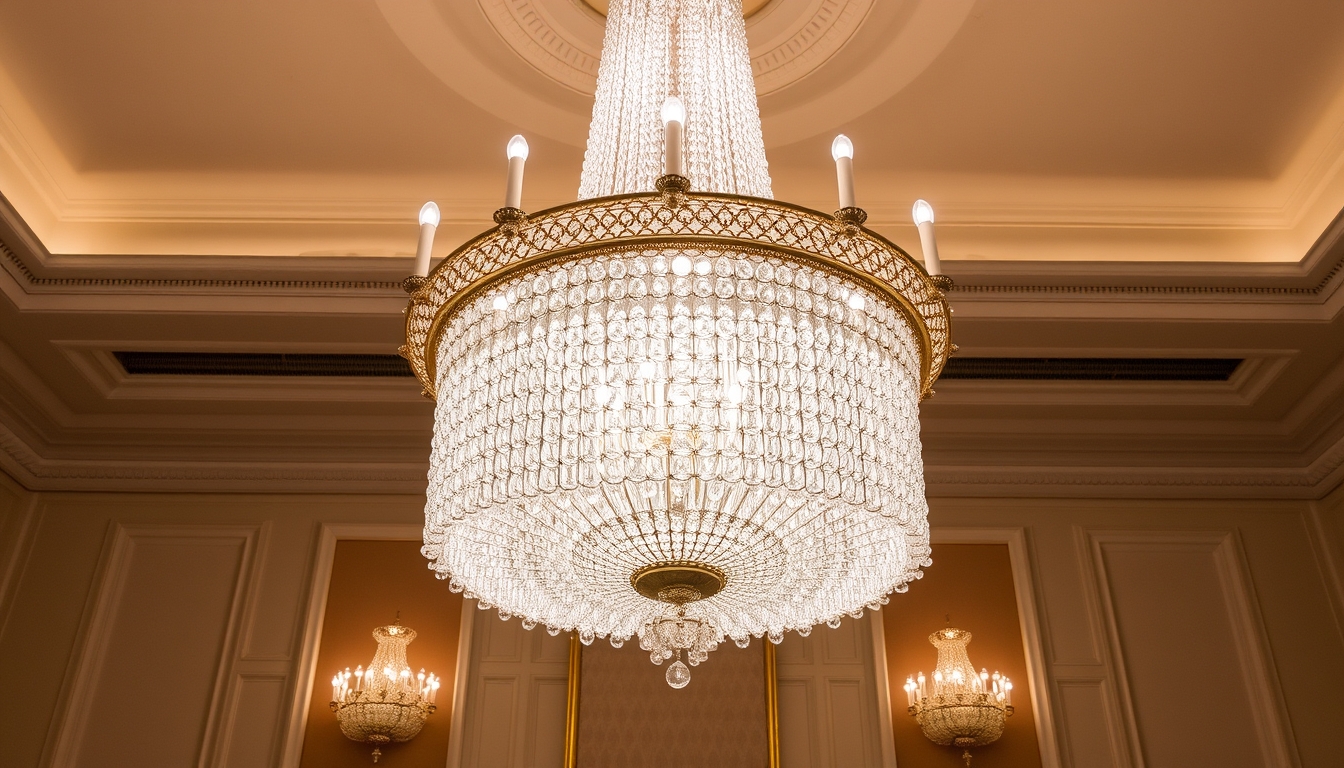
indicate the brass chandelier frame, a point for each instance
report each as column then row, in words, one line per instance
column 673, row 216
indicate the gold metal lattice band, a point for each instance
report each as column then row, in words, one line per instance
column 682, row 220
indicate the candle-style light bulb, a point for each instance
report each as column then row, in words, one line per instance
column 429, row 221
column 923, row 216
column 842, row 150
column 674, row 127
column 516, row 151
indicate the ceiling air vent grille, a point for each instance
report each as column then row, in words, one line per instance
column 1092, row 368
column 260, row 364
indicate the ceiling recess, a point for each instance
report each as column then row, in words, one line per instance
column 261, row 364
column 1092, row 368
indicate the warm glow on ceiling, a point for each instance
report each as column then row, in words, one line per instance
column 748, row 6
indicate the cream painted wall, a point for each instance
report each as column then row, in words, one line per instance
column 88, row 582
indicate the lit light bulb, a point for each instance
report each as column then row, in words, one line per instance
column 429, row 214
column 842, row 147
column 922, row 212
column 517, row 148
column 681, row 266
column 702, row 267
column 678, row 674
column 674, row 111
column 855, row 300
column 500, row 303
column 429, row 221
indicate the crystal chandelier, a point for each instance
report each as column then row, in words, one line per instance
column 677, row 409
column 965, row 709
column 384, row 703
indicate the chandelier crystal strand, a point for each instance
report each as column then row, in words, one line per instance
column 694, row 49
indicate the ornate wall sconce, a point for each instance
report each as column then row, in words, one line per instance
column 964, row 709
column 385, row 703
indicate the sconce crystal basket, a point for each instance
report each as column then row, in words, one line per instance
column 964, row 709
column 385, row 704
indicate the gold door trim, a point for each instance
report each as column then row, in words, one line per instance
column 771, row 705
column 572, row 703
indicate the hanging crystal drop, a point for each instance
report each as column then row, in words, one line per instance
column 678, row 674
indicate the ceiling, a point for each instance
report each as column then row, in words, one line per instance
column 1140, row 179
column 1141, row 131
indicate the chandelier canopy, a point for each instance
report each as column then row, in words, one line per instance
column 679, row 414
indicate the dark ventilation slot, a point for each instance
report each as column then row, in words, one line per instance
column 1092, row 368
column 260, row 364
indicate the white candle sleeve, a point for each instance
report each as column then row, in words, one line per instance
column 844, row 172
column 930, row 245
column 674, row 161
column 423, row 249
column 513, row 196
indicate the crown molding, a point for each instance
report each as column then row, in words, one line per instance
column 36, row 473
column 1313, row 280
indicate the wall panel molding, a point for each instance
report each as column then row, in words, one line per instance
column 1327, row 549
column 1268, row 711
column 515, row 697
column 108, row 598
column 253, row 696
column 884, row 709
column 1093, row 700
column 18, row 537
column 826, row 683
